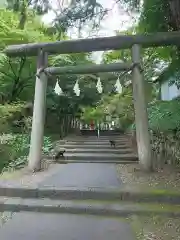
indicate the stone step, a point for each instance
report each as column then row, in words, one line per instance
column 91, row 193
column 97, row 142
column 96, row 139
column 96, row 150
column 112, row 161
column 109, row 208
column 90, row 146
column 99, row 156
column 88, row 132
column 94, row 142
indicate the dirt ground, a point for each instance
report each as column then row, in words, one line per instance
column 167, row 178
column 152, row 227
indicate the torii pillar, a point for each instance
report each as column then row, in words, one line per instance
column 141, row 115
column 39, row 109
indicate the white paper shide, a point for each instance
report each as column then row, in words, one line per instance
column 58, row 89
column 77, row 89
column 118, row 86
column 99, row 86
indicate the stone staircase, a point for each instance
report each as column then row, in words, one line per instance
column 108, row 201
column 93, row 149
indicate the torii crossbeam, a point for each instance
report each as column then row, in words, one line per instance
column 95, row 44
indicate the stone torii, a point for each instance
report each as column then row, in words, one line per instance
column 134, row 42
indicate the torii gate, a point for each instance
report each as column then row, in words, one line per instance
column 135, row 42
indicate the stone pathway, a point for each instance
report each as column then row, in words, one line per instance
column 83, row 175
column 41, row 226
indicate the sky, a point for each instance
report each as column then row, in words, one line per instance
column 117, row 19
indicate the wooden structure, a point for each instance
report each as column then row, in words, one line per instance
column 135, row 42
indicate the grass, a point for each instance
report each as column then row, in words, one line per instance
column 164, row 192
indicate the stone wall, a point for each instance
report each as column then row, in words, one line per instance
column 165, row 147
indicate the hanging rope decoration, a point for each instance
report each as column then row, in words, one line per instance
column 99, row 86
column 139, row 66
column 58, row 89
column 77, row 89
column 118, row 86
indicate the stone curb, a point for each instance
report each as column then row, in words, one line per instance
column 99, row 194
column 98, row 209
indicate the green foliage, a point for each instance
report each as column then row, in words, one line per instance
column 23, row 8
column 7, row 113
column 155, row 11
column 69, row 103
column 163, row 12
column 14, row 150
column 118, row 107
column 166, row 14
column 164, row 116
column 92, row 113
column 17, row 75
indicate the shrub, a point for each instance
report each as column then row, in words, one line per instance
column 164, row 116
column 7, row 114
column 15, row 148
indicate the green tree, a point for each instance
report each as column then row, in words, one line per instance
column 23, row 6
column 17, row 75
column 118, row 107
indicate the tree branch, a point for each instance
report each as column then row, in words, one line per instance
column 20, row 89
column 22, row 63
column 9, row 61
column 7, row 75
column 17, row 82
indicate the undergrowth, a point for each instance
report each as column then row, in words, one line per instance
column 164, row 116
column 14, row 150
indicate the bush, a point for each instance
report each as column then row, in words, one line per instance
column 14, row 150
column 7, row 113
column 164, row 123
column 164, row 116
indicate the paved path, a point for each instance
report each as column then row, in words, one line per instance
column 84, row 175
column 33, row 226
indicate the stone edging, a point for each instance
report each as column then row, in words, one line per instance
column 102, row 194
column 77, row 207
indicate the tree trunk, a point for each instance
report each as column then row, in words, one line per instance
column 175, row 14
